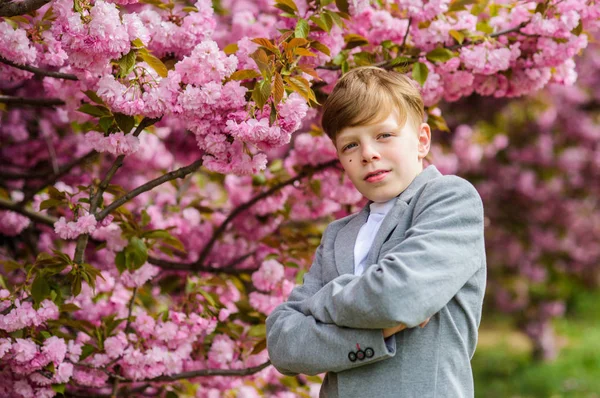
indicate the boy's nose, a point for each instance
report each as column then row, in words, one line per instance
column 369, row 154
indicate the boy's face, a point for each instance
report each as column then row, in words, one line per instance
column 397, row 151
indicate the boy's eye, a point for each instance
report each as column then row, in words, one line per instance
column 348, row 146
column 385, row 135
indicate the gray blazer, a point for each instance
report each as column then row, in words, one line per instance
column 427, row 260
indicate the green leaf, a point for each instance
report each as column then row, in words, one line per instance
column 231, row 49
column 244, row 74
column 120, row 261
column 10, row 265
column 353, row 40
column 137, row 43
column 400, row 60
column 45, row 334
column 342, row 5
column 302, row 29
column 440, row 55
column 59, row 388
column 171, row 394
column 69, row 307
column 125, row 122
column 460, row 5
column 106, row 123
column 86, row 351
column 136, row 253
column 94, row 97
column 287, row 6
column 55, row 193
column 40, row 289
column 94, row 110
column 208, row 297
column 261, row 93
column 126, row 63
column 154, row 63
column 50, row 203
column 321, row 23
column 458, row 36
column 259, row 347
column 76, row 285
column 300, row 277
column 484, row 27
column 258, row 330
column 317, row 45
column 363, row 58
column 420, row 72
column 145, row 218
column 335, row 17
column 578, row 29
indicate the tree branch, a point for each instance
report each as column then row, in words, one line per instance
column 179, row 173
column 5, row 99
column 38, row 71
column 37, row 217
column 206, row 372
column 229, row 269
column 82, row 240
column 390, row 65
column 245, row 206
column 14, row 8
column 199, row 266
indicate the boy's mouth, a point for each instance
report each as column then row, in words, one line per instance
column 376, row 175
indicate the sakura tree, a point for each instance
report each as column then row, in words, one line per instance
column 165, row 181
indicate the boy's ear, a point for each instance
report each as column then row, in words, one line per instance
column 424, row 140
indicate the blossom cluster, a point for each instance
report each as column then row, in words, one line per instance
column 70, row 230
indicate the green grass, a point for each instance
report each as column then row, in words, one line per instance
column 503, row 367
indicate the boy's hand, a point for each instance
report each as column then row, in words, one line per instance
column 387, row 332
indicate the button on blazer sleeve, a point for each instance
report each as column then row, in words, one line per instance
column 418, row 276
column 298, row 343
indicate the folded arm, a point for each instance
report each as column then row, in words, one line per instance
column 421, row 273
column 298, row 343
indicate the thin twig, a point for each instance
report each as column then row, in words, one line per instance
column 405, row 34
column 229, row 269
column 206, row 372
column 39, row 71
column 14, row 8
column 82, row 240
column 5, row 99
column 179, row 173
column 17, row 208
column 131, row 302
column 245, row 206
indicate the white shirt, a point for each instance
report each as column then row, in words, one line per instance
column 366, row 235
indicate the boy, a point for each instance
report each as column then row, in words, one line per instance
column 414, row 253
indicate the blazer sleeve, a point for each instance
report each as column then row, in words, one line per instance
column 420, row 274
column 298, row 343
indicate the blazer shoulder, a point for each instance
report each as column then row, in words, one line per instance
column 334, row 227
column 450, row 187
column 451, row 183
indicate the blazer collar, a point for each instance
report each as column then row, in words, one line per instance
column 346, row 237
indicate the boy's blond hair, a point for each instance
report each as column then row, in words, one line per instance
column 366, row 94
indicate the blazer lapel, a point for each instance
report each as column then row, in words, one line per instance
column 387, row 226
column 346, row 237
column 392, row 219
column 345, row 241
